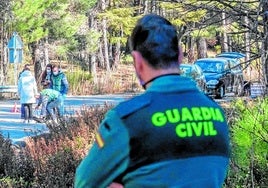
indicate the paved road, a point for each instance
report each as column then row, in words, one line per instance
column 11, row 125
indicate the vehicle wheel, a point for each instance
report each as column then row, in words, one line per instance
column 204, row 88
column 221, row 93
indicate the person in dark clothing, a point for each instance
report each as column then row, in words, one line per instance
column 170, row 136
column 46, row 75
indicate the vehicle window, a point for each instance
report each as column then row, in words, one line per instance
column 185, row 71
column 210, row 66
column 219, row 67
column 227, row 66
column 194, row 73
column 198, row 70
column 235, row 65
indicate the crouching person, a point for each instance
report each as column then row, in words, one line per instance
column 50, row 103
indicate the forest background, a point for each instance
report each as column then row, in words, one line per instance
column 88, row 39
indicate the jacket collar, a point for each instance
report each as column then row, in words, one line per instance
column 170, row 83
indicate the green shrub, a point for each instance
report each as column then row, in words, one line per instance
column 50, row 160
column 6, row 156
column 16, row 167
column 8, row 182
column 56, row 156
column 79, row 81
column 59, row 170
column 249, row 138
column 127, row 59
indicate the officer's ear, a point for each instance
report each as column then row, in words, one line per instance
column 138, row 60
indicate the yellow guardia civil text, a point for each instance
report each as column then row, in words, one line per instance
column 194, row 121
column 99, row 140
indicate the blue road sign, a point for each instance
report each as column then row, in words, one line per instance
column 15, row 47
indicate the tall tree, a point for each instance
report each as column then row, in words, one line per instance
column 51, row 22
column 264, row 5
column 187, row 19
column 224, row 45
column 29, row 22
column 5, row 18
column 120, row 21
column 104, row 29
column 234, row 28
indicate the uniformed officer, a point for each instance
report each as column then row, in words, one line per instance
column 172, row 135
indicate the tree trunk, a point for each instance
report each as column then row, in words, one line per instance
column 2, row 52
column 265, row 42
column 190, row 54
column 5, row 13
column 105, row 38
column 46, row 53
column 248, row 47
column 37, row 61
column 224, row 44
column 105, row 45
column 101, row 56
column 230, row 45
column 137, row 3
column 93, row 54
column 117, row 54
column 153, row 6
column 94, row 69
column 111, row 48
column 201, row 47
column 145, row 7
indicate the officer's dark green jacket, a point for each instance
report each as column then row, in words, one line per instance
column 170, row 136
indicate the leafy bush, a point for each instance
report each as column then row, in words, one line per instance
column 16, row 169
column 50, row 160
column 6, row 156
column 249, row 136
column 58, row 170
column 56, row 156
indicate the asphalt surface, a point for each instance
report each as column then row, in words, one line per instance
column 12, row 126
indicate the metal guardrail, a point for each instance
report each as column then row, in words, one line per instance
column 9, row 89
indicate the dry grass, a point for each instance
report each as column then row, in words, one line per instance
column 50, row 160
column 121, row 80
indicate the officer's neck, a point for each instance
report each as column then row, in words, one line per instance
column 154, row 74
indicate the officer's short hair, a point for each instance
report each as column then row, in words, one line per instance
column 156, row 39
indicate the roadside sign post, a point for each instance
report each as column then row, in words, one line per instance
column 15, row 53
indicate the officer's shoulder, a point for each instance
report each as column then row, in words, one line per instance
column 209, row 98
column 132, row 105
column 212, row 101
